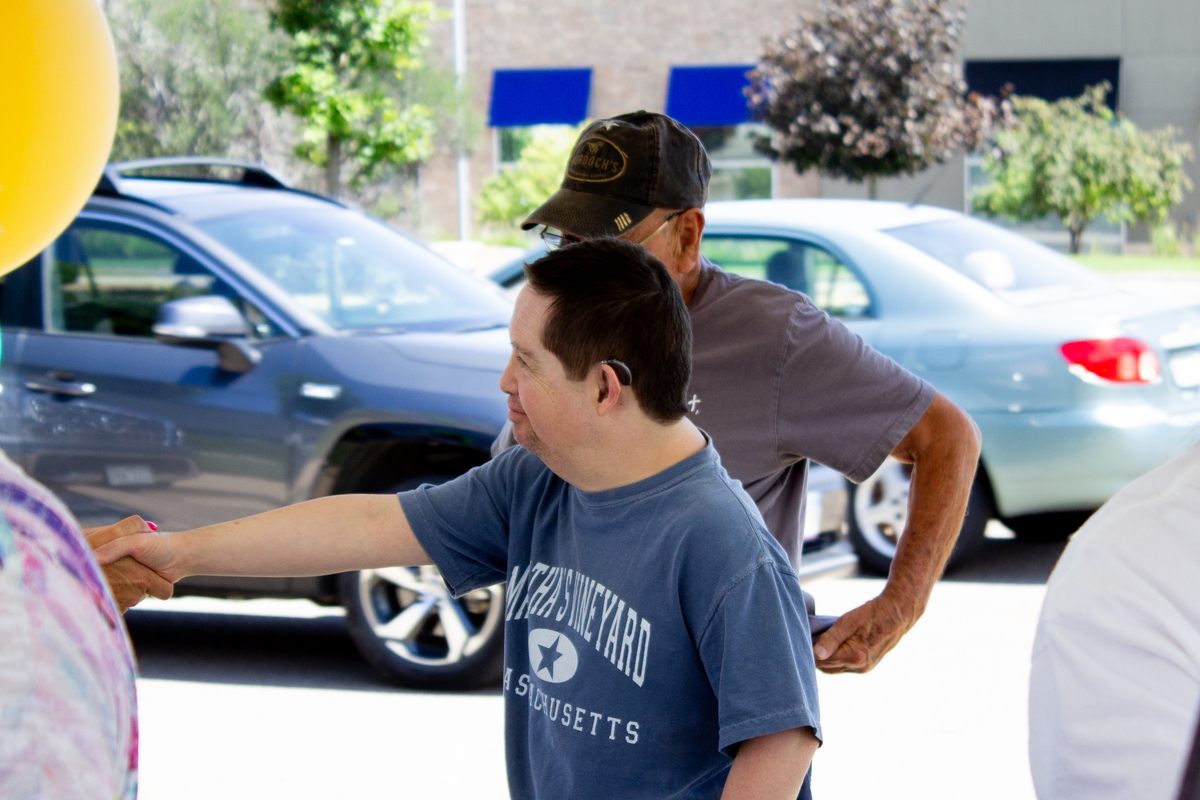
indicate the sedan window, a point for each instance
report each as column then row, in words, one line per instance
column 109, row 278
column 830, row 284
column 1015, row 268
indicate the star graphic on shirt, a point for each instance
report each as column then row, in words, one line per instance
column 549, row 656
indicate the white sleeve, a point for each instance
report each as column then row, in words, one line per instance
column 1115, row 681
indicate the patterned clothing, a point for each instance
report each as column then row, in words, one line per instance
column 68, row 703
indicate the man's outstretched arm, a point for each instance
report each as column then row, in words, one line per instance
column 771, row 767
column 943, row 448
column 317, row 537
column 129, row 581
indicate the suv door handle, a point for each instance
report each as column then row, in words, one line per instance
column 70, row 388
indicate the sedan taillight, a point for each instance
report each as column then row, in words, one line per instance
column 1120, row 360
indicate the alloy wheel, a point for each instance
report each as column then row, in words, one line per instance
column 412, row 613
column 881, row 506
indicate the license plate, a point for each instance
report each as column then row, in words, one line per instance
column 1185, row 368
column 129, row 475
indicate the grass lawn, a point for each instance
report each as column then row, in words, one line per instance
column 1114, row 263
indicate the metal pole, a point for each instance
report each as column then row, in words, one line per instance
column 464, row 163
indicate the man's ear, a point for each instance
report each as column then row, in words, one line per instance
column 608, row 389
column 689, row 230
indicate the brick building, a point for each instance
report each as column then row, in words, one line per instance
column 532, row 63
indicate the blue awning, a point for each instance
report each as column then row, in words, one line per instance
column 539, row 97
column 709, row 96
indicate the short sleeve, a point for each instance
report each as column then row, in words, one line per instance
column 463, row 524
column 757, row 652
column 842, row 403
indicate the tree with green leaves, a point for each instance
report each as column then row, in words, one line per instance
column 1078, row 160
column 192, row 74
column 865, row 89
column 342, row 67
column 511, row 195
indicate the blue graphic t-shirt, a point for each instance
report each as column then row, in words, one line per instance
column 648, row 629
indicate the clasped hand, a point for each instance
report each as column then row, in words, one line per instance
column 144, row 564
column 130, row 580
column 860, row 638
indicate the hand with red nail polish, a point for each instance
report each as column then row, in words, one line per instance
column 130, row 581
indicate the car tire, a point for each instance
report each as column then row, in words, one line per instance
column 877, row 510
column 409, row 628
column 1055, row 526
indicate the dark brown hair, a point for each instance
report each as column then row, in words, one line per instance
column 611, row 299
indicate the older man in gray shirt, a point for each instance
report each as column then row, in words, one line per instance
column 775, row 381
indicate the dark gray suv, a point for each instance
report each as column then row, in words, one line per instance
column 204, row 343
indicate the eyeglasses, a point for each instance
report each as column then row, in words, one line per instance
column 624, row 375
column 660, row 227
column 555, row 238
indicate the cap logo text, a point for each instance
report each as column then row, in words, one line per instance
column 596, row 160
column 622, row 221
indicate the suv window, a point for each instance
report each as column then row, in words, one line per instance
column 20, row 300
column 358, row 274
column 832, row 286
column 109, row 278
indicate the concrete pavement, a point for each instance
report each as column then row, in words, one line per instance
column 944, row 715
column 202, row 741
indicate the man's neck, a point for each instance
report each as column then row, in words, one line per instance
column 689, row 281
column 629, row 455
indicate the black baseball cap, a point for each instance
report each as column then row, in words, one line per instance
column 623, row 168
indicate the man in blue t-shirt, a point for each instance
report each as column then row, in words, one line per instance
column 655, row 634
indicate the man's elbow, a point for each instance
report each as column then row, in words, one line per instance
column 944, row 433
column 969, row 439
column 773, row 765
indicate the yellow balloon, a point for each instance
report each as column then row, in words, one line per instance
column 58, row 113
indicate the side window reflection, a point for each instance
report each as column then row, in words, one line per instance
column 831, row 284
column 111, row 279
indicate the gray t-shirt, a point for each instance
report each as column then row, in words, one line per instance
column 775, row 382
column 648, row 629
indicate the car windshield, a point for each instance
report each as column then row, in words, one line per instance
column 1017, row 269
column 356, row 273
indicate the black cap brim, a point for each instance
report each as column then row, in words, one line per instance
column 587, row 215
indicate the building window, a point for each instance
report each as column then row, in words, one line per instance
column 739, row 171
column 1051, row 79
column 511, row 142
column 711, row 101
column 528, row 103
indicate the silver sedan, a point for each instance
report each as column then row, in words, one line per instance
column 1077, row 386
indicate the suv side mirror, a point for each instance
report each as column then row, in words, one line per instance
column 208, row 321
column 199, row 318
